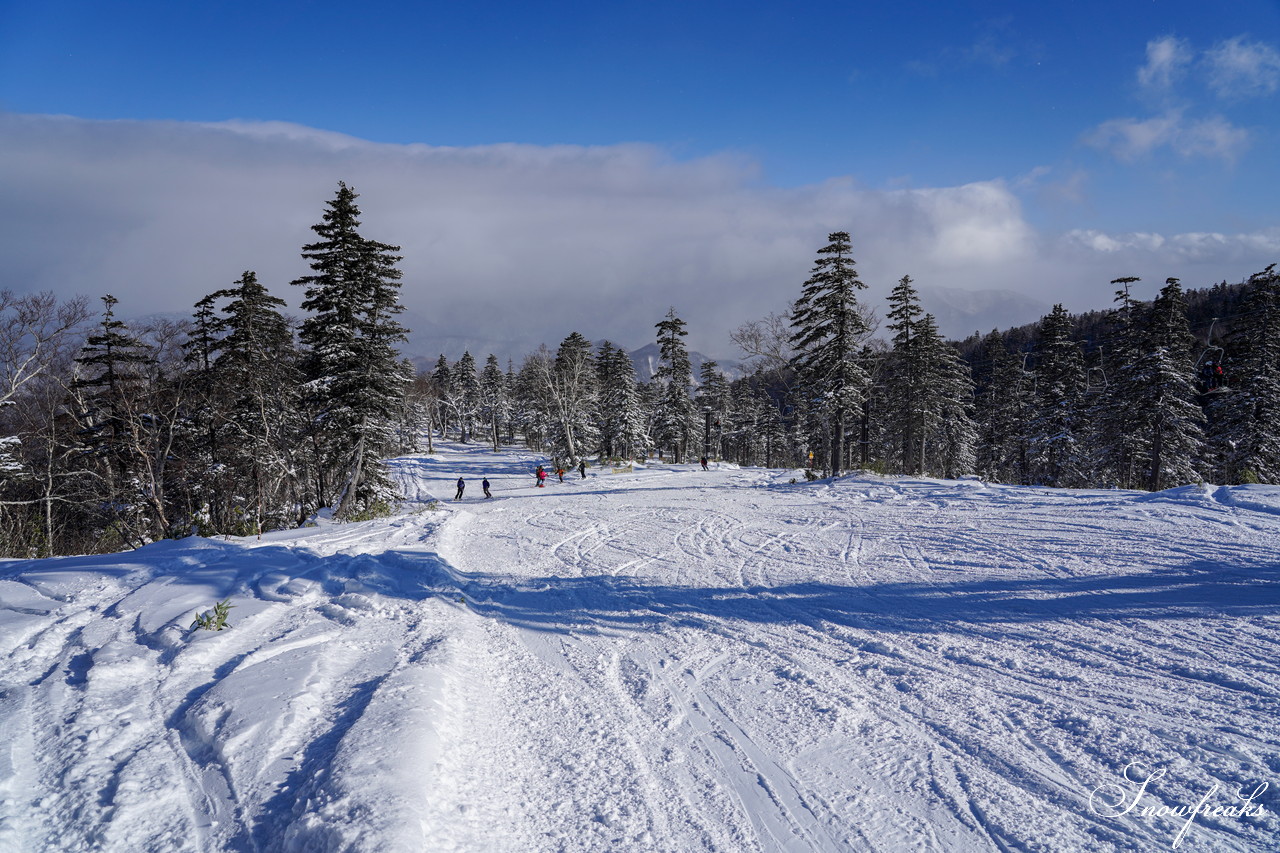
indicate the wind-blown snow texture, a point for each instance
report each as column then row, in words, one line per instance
column 662, row 660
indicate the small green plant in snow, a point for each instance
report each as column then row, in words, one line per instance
column 215, row 619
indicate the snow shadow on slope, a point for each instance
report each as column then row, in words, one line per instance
column 207, row 570
column 1201, row 589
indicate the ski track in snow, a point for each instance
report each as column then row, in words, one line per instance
column 668, row 659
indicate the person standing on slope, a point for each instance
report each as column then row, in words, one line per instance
column 484, row 484
column 541, row 475
column 703, row 460
column 582, row 468
column 462, row 484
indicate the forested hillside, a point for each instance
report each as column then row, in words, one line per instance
column 243, row 419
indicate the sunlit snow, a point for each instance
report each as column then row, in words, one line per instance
column 663, row 659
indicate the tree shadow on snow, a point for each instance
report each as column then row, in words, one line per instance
column 207, row 570
column 1201, row 589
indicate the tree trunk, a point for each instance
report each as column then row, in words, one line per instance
column 837, row 443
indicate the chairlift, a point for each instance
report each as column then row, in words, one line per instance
column 1035, row 377
column 1209, row 370
column 1095, row 378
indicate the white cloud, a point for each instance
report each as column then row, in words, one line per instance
column 1239, row 69
column 1212, row 137
column 1200, row 248
column 1167, row 58
column 1233, row 69
column 1131, row 139
column 505, row 244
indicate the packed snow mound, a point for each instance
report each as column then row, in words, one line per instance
column 661, row 659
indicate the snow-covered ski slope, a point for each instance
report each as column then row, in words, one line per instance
column 663, row 660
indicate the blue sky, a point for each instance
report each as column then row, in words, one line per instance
column 1118, row 127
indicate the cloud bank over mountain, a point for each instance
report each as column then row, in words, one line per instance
column 524, row 242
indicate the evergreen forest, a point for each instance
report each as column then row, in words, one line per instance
column 243, row 419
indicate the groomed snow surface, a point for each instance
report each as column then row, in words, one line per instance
column 662, row 660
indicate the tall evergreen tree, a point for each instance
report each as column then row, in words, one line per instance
column 1055, row 430
column 531, row 409
column 495, row 402
column 257, row 367
column 1246, row 420
column 950, row 434
column 828, row 328
column 1148, row 428
column 906, row 377
column 208, row 479
column 1003, row 411
column 442, row 382
column 713, row 398
column 1167, row 402
column 620, row 419
column 464, row 392
column 674, row 416
column 355, row 377
column 1118, row 444
column 113, row 383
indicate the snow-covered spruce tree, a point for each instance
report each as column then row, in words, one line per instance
column 905, row 377
column 753, row 432
column 1245, row 427
column 495, row 399
column 511, row 400
column 464, row 393
column 353, row 371
column 827, row 332
column 1118, row 445
column 951, row 436
column 1148, row 427
column 208, row 480
column 713, row 400
column 620, row 420
column 108, row 389
column 674, row 419
column 881, row 445
column 441, row 404
column 925, row 410
column 1170, row 412
column 1003, row 410
column 530, row 407
column 1054, row 433
column 261, row 427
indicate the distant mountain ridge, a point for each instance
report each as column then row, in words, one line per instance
column 959, row 313
column 647, row 358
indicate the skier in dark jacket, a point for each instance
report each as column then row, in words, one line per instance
column 484, row 484
column 462, row 484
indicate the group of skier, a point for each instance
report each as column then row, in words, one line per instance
column 1213, row 376
column 462, row 486
column 540, row 477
